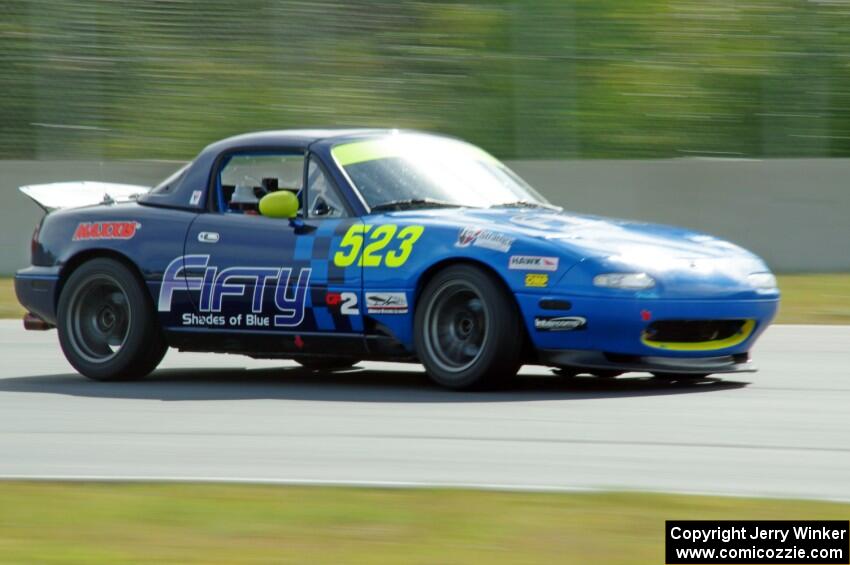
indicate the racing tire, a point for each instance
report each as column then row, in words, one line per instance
column 326, row 363
column 467, row 330
column 106, row 323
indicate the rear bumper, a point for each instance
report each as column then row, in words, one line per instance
column 36, row 288
column 583, row 359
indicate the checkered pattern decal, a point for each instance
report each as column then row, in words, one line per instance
column 314, row 250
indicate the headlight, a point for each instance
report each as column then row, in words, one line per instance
column 624, row 281
column 762, row 281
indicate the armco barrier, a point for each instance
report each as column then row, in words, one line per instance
column 795, row 213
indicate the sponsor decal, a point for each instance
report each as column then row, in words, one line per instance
column 532, row 263
column 345, row 301
column 645, row 315
column 536, row 280
column 386, row 303
column 106, row 230
column 467, row 236
column 215, row 287
column 195, row 199
column 559, row 323
column 479, row 237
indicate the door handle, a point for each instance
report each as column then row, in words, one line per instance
column 208, row 237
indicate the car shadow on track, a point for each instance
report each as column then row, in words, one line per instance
column 354, row 385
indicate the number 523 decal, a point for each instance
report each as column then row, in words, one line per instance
column 375, row 252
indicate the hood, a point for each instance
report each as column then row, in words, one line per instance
column 58, row 195
column 588, row 237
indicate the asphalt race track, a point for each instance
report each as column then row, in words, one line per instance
column 784, row 431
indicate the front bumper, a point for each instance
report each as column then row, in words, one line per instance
column 618, row 325
column 581, row 359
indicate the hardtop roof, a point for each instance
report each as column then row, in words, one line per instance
column 297, row 138
column 180, row 194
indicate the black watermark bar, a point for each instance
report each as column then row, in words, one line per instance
column 757, row 541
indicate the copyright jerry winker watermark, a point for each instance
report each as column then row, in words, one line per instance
column 746, row 541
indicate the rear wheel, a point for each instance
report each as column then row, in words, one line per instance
column 326, row 363
column 468, row 331
column 106, row 324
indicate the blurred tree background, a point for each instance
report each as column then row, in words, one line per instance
column 525, row 79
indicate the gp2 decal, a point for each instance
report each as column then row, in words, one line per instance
column 106, row 230
column 214, row 286
column 374, row 253
column 347, row 302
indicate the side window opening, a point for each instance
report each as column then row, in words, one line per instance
column 244, row 178
column 324, row 199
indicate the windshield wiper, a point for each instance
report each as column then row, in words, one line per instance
column 526, row 204
column 409, row 203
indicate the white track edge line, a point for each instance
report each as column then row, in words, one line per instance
column 418, row 485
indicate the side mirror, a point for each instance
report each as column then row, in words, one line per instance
column 279, row 204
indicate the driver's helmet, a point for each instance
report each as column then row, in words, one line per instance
column 244, row 199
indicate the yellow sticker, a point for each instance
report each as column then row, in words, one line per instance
column 536, row 280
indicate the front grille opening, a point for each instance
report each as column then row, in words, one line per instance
column 692, row 331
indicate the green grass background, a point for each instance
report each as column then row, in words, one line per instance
column 212, row 523
column 806, row 299
column 524, row 79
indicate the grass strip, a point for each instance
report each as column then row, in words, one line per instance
column 114, row 523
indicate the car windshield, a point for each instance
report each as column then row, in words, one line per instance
column 416, row 170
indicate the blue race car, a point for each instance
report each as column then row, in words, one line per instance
column 334, row 246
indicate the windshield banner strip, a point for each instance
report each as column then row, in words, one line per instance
column 403, row 145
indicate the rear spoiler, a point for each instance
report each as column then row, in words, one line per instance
column 58, row 195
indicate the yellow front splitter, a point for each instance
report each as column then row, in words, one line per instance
column 714, row 345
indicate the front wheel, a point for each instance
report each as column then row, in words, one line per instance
column 106, row 324
column 468, row 331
